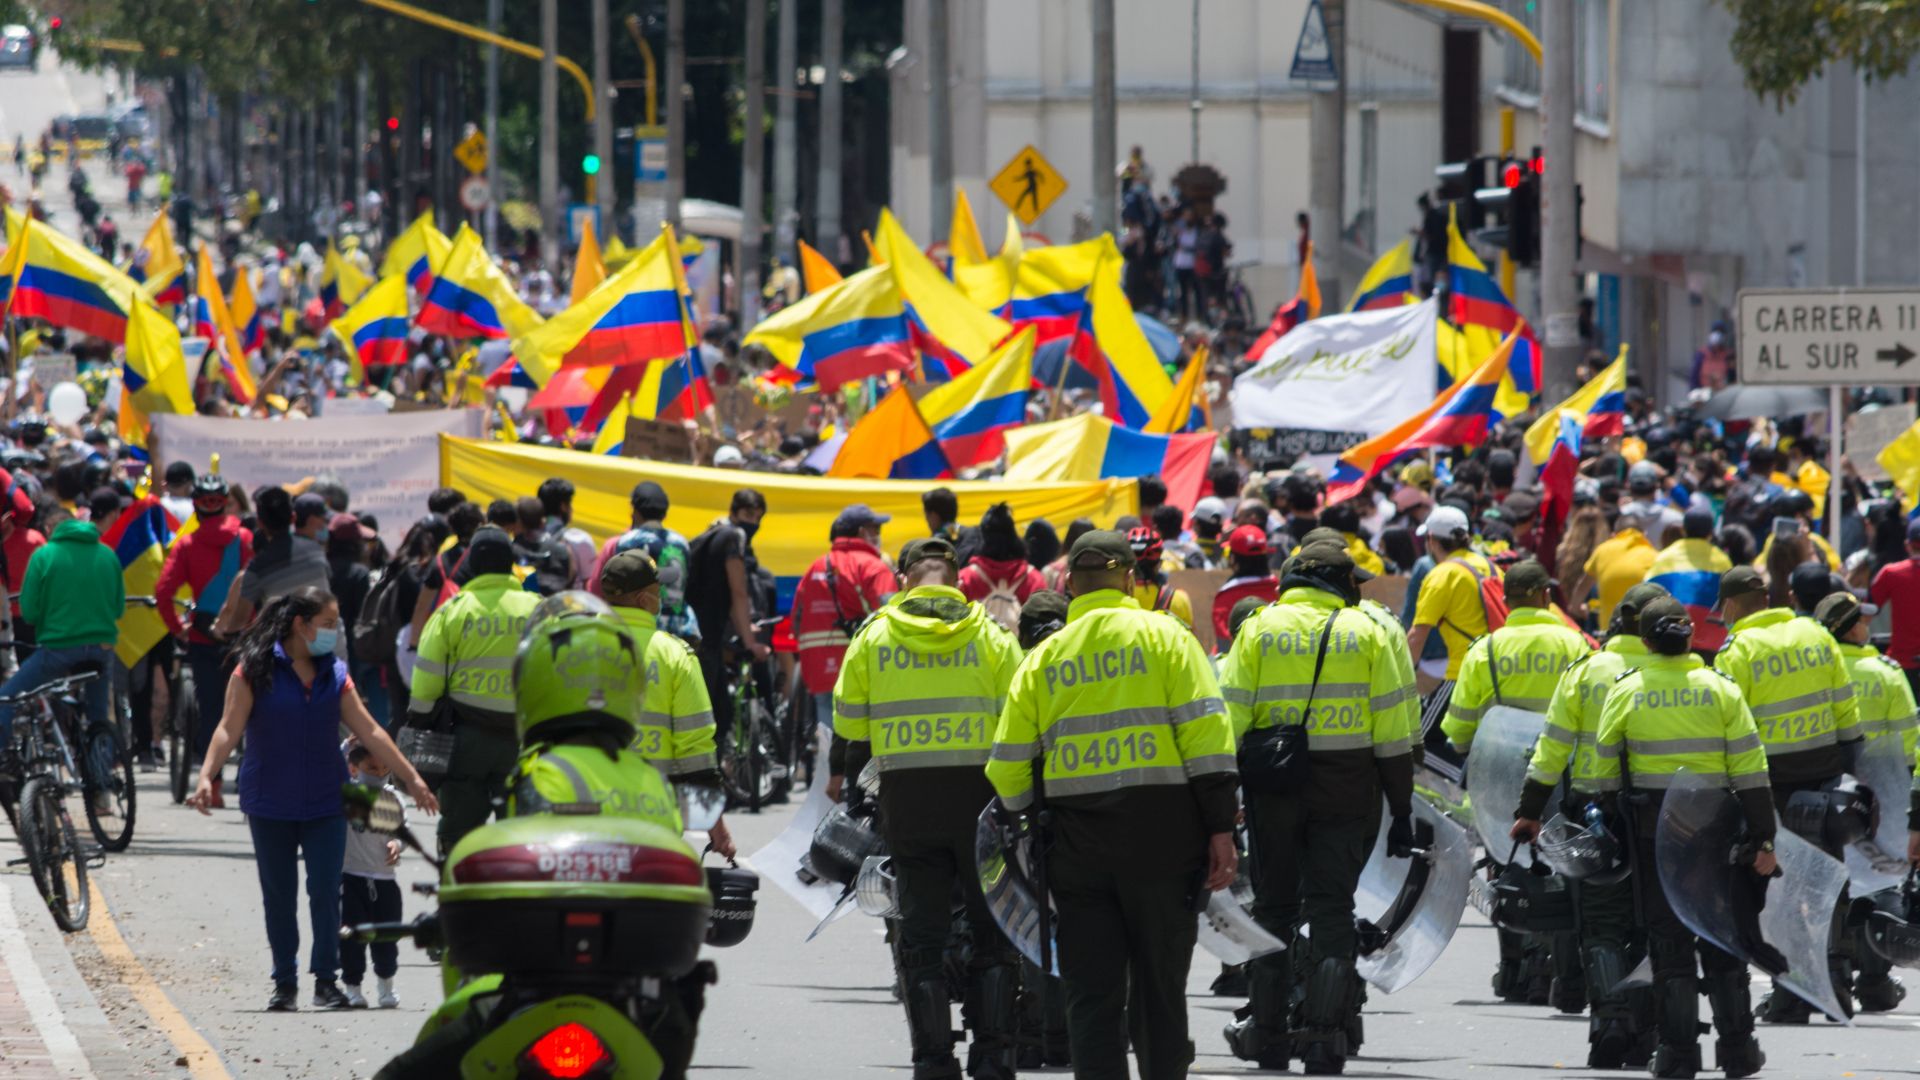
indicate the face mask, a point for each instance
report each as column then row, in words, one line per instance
column 749, row 528
column 324, row 640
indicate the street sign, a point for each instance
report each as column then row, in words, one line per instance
column 650, row 161
column 475, row 194
column 577, row 217
column 1313, row 53
column 472, row 152
column 1830, row 337
column 1028, row 185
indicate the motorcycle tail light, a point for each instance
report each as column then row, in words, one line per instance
column 569, row 1052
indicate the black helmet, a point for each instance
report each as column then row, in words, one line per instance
column 733, row 904
column 1792, row 503
column 208, row 486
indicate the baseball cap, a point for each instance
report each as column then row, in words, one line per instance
column 1913, row 531
column 1658, row 608
column 1248, row 540
column 1212, row 508
column 927, row 547
column 348, row 527
column 1740, row 581
column 1243, row 610
column 628, row 572
column 1409, row 497
column 308, row 507
column 1697, row 522
column 490, row 551
column 1044, row 604
column 1445, row 522
column 179, row 473
column 1103, row 549
column 650, row 498
column 1323, row 532
column 1637, row 599
column 1526, row 578
column 1841, row 611
column 856, row 517
column 1520, row 506
column 729, row 457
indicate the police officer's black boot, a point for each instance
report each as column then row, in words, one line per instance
column 1331, row 995
column 1735, row 1051
column 1840, row 970
column 1568, row 993
column 1643, row 1020
column 1877, row 992
column 1510, row 978
column 1782, row 1006
column 1609, row 1030
column 1538, row 967
column 1259, row 1034
column 1231, row 982
column 930, row 1028
column 992, row 1054
column 1677, row 1057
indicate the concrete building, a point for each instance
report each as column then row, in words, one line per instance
column 1693, row 186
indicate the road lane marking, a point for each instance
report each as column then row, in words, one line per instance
column 34, row 993
column 203, row 1062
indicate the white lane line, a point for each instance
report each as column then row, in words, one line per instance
column 35, row 994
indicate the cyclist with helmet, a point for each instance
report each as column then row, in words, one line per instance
column 1150, row 585
column 205, row 562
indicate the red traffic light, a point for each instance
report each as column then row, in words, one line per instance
column 55, row 22
column 1512, row 174
column 1538, row 165
column 393, row 123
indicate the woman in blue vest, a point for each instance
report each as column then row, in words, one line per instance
column 289, row 694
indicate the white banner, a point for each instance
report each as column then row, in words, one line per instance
column 388, row 464
column 1359, row 373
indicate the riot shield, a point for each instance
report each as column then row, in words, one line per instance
column 1418, row 908
column 1496, row 772
column 1228, row 931
column 1006, row 882
column 1700, row 826
column 1879, row 862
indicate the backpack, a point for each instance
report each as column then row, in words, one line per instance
column 1493, row 595
column 380, row 620
column 1002, row 605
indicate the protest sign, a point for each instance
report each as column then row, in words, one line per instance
column 1345, row 377
column 387, row 463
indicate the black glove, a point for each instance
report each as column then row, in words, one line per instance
column 1400, row 837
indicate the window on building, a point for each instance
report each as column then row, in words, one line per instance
column 1521, row 72
column 1592, row 74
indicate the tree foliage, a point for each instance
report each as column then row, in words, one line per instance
column 1784, row 44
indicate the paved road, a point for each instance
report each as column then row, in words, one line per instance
column 28, row 103
column 174, row 969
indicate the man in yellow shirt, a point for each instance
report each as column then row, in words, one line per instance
column 1620, row 563
column 1450, row 594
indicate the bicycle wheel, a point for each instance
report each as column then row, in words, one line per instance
column 108, row 788
column 59, row 869
column 762, row 754
column 180, row 739
column 734, row 770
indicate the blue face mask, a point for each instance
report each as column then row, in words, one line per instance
column 325, row 638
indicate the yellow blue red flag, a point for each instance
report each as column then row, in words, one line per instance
column 139, row 537
column 951, row 333
column 341, row 283
column 1072, row 293
column 851, row 331
column 1478, row 301
column 971, row 415
column 1460, row 416
column 1388, row 282
column 157, row 265
column 471, row 297
column 1601, row 406
column 989, row 285
column 374, row 329
column 635, row 316
column 816, row 270
column 1091, row 447
column 245, row 308
column 892, row 442
column 415, row 252
column 212, row 320
column 52, row 276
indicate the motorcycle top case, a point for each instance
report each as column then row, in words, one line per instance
column 574, row 896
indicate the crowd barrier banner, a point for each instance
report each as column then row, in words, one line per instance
column 800, row 509
column 388, row 463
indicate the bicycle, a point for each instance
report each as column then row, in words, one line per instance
column 103, row 764
column 39, row 812
column 183, row 713
column 750, row 760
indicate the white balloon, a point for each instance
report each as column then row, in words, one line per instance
column 67, row 403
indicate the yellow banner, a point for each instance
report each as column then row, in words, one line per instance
column 800, row 509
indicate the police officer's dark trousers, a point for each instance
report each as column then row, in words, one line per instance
column 1126, row 936
column 484, row 752
column 1306, row 865
column 1677, row 990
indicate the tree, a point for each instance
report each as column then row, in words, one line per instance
column 1784, row 44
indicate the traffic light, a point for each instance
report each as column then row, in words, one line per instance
column 55, row 23
column 393, row 123
column 590, row 164
column 1459, row 180
column 1515, row 205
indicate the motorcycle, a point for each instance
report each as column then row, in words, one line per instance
column 587, row 931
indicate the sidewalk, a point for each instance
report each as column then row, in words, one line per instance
column 35, row 1042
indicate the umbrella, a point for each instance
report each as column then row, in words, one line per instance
column 1748, row 402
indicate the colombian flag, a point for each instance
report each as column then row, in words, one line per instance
column 635, row 316
column 856, row 329
column 61, row 280
column 1304, row 305
column 1460, row 416
column 153, row 375
column 1187, row 408
column 212, row 320
column 989, row 284
column 1690, row 570
column 374, row 329
column 471, row 297
column 1478, row 301
column 1074, row 292
column 415, row 253
column 157, row 266
column 1561, row 466
column 1601, row 405
column 140, row 536
column 971, row 414
column 589, row 269
column 951, row 333
column 1091, row 447
column 816, row 270
column 1388, row 282
column 246, row 313
column 341, row 283
column 893, row 442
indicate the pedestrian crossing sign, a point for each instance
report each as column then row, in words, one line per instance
column 1028, row 185
column 472, row 152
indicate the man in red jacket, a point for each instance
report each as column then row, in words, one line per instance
column 18, row 541
column 840, row 589
column 205, row 561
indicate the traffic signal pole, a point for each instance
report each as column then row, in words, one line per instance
column 1559, row 216
column 1506, row 154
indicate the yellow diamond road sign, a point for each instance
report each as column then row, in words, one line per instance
column 1028, row 185
column 472, row 152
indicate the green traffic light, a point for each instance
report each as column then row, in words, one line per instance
column 590, row 164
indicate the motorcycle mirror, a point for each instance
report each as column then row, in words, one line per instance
column 700, row 807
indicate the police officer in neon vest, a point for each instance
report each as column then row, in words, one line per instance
column 1120, row 717
column 1668, row 713
column 1621, row 1030
column 919, row 692
column 1312, row 659
column 1790, row 671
